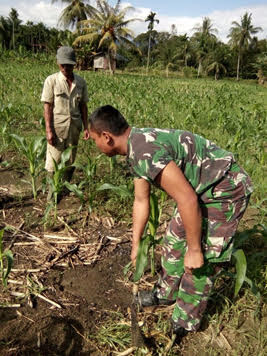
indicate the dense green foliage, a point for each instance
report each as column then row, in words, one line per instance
column 229, row 113
column 105, row 29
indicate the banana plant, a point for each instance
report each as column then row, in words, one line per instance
column 33, row 150
column 5, row 255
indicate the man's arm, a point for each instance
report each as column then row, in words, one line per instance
column 84, row 114
column 48, row 115
column 140, row 213
column 173, row 181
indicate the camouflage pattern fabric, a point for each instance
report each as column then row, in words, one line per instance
column 223, row 189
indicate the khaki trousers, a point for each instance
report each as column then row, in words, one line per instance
column 54, row 152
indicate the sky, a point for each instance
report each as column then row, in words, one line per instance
column 185, row 15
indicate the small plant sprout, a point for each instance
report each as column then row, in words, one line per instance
column 5, row 255
column 57, row 183
column 34, row 151
column 89, row 171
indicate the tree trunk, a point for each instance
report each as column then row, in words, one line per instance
column 109, row 63
column 238, row 65
column 199, row 68
column 148, row 53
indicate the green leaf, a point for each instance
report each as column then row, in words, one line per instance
column 9, row 256
column 142, row 256
column 241, row 269
column 1, row 241
column 121, row 190
column 20, row 142
column 73, row 188
column 253, row 288
column 66, row 155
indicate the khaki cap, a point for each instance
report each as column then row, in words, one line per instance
column 66, row 55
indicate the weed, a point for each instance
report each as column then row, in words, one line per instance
column 5, row 255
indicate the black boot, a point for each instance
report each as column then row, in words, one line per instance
column 68, row 174
column 148, row 298
column 178, row 330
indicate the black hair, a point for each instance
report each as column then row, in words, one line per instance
column 107, row 118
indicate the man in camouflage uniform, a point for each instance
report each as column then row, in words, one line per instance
column 211, row 191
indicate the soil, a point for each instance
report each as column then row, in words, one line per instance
column 67, row 279
column 80, row 269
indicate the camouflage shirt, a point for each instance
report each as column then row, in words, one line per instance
column 202, row 162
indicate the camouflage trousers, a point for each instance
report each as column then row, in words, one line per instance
column 222, row 209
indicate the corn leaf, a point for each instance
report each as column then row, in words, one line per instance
column 66, row 155
column 241, row 269
column 9, row 257
column 142, row 256
column 122, row 190
column 74, row 188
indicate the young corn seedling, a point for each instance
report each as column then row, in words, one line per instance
column 240, row 260
column 149, row 240
column 89, row 171
column 34, row 151
column 56, row 182
column 5, row 255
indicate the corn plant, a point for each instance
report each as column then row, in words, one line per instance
column 89, row 171
column 5, row 138
column 5, row 255
column 34, row 151
column 240, row 260
column 149, row 240
column 56, row 182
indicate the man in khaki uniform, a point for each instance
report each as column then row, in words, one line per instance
column 65, row 100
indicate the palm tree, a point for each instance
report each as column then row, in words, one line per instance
column 75, row 12
column 240, row 37
column 217, row 68
column 5, row 34
column 205, row 37
column 108, row 27
column 151, row 21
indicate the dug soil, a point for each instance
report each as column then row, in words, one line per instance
column 68, row 280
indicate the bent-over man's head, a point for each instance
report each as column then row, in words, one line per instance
column 109, row 130
column 107, row 118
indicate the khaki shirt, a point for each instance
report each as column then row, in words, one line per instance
column 66, row 102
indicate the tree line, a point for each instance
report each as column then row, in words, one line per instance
column 104, row 29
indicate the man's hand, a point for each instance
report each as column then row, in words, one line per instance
column 86, row 134
column 192, row 260
column 51, row 138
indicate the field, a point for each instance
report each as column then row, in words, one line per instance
column 69, row 291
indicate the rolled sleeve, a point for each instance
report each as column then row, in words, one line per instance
column 47, row 93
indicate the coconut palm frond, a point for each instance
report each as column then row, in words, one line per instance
column 107, row 36
column 90, row 37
